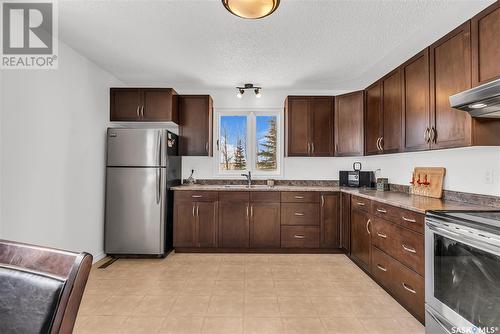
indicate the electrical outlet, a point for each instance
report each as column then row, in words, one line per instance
column 489, row 176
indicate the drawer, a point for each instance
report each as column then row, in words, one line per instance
column 196, row 196
column 300, row 214
column 265, row 196
column 299, row 237
column 383, row 268
column 360, row 203
column 409, row 289
column 404, row 245
column 409, row 219
column 234, row 196
column 300, row 196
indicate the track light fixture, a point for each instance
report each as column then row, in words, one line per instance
column 256, row 89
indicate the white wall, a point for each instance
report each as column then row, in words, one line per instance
column 466, row 167
column 53, row 150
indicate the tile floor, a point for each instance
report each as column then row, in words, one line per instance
column 236, row 293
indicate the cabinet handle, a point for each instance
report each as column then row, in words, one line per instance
column 312, row 148
column 142, row 111
column 193, row 210
column 197, row 210
column 298, row 197
column 407, row 288
column 381, row 143
column 300, row 214
column 408, row 220
column 322, row 200
column 427, row 135
column 137, row 111
column 382, row 210
column 247, row 211
column 368, row 226
column 206, row 146
column 196, row 196
column 251, row 211
column 381, row 235
column 361, row 204
column 409, row 249
column 378, row 144
column 433, row 135
column 381, row 268
column 299, row 236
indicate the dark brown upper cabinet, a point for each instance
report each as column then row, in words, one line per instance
column 485, row 29
column 450, row 64
column 373, row 118
column 349, row 124
column 195, row 125
column 309, row 126
column 416, row 107
column 144, row 105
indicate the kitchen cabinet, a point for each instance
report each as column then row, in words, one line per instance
column 309, row 126
column 485, row 28
column 391, row 136
column 234, row 220
column 348, row 121
column 144, row 104
column 450, row 63
column 265, row 225
column 195, row 219
column 300, row 236
column 373, row 118
column 330, row 220
column 195, row 125
column 345, row 222
column 360, row 238
column 416, row 106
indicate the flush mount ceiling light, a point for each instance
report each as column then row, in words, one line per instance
column 241, row 90
column 251, row 9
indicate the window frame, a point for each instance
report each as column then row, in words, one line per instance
column 251, row 142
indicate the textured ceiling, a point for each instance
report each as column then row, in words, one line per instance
column 308, row 45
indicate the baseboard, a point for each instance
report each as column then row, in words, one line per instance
column 98, row 257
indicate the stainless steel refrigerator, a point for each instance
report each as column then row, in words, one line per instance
column 142, row 165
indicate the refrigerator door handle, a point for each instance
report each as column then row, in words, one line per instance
column 158, row 149
column 158, row 185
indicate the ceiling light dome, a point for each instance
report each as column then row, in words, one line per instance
column 251, row 9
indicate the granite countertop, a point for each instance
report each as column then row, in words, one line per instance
column 415, row 203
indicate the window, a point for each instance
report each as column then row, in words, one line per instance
column 248, row 141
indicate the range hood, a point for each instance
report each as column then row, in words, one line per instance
column 481, row 101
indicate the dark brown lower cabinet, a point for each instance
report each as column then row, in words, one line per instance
column 330, row 220
column 265, row 225
column 206, row 226
column 360, row 238
column 300, row 236
column 234, row 220
column 345, row 222
column 195, row 224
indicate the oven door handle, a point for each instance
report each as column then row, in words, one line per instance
column 441, row 322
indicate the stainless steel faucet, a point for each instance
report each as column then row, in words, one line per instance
column 249, row 178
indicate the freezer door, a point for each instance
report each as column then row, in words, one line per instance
column 135, row 211
column 136, row 147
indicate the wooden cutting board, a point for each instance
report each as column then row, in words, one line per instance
column 428, row 181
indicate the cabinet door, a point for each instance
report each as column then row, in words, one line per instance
column 330, row 221
column 345, row 222
column 195, row 125
column 486, row 45
column 265, row 225
column 206, row 224
column 185, row 224
column 349, row 124
column 373, row 118
column 360, row 238
column 234, row 224
column 416, row 102
column 125, row 104
column 392, row 110
column 160, row 104
column 450, row 74
column 321, row 111
column 297, row 126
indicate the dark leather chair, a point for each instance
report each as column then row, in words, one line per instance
column 40, row 288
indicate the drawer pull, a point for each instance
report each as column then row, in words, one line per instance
column 407, row 288
column 361, row 204
column 196, row 196
column 298, row 197
column 300, row 214
column 381, row 268
column 299, row 236
column 408, row 220
column 409, row 249
column 381, row 235
column 368, row 226
column 381, row 210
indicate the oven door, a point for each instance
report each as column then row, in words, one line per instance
column 462, row 279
